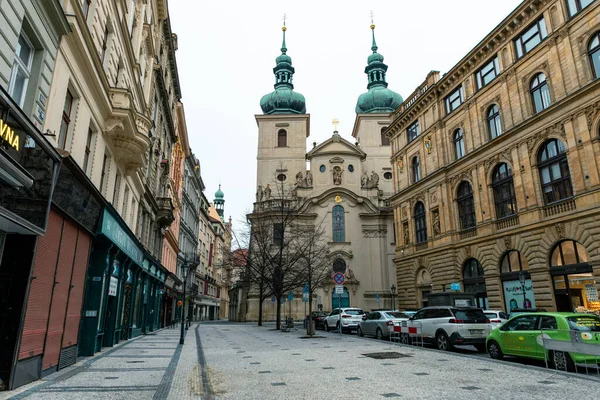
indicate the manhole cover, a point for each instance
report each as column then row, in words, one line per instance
column 387, row 355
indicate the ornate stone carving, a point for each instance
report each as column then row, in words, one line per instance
column 436, row 225
column 113, row 124
column 267, row 194
column 507, row 243
column 404, row 213
column 428, row 145
column 400, row 164
column 308, row 179
column 464, row 175
column 405, row 233
column 590, row 114
column 374, row 232
column 259, row 193
column 560, row 230
column 468, row 251
column 337, row 175
column 369, row 182
column 433, row 197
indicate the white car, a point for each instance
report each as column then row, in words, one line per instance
column 447, row 326
column 348, row 317
column 497, row 318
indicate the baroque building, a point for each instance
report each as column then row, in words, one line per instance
column 496, row 167
column 340, row 184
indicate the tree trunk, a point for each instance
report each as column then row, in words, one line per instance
column 278, row 319
column 310, row 318
column 261, row 292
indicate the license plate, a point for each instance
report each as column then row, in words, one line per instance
column 476, row 331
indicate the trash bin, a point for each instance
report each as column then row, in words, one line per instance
column 311, row 330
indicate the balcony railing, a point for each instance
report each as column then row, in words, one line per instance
column 508, row 222
column 274, row 205
column 559, row 208
column 468, row 233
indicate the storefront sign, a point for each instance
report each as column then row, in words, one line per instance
column 115, row 232
column 513, row 295
column 113, row 286
column 91, row 313
column 8, row 135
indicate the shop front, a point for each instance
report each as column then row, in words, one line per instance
column 575, row 288
column 516, row 282
column 28, row 170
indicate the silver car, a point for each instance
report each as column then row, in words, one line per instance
column 380, row 323
column 497, row 318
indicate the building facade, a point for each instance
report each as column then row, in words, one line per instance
column 496, row 167
column 345, row 187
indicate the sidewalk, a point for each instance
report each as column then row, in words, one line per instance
column 152, row 366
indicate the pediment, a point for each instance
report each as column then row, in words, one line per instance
column 337, row 147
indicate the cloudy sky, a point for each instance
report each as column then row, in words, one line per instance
column 227, row 51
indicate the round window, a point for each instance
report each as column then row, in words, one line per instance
column 351, row 168
column 387, row 175
column 281, row 177
column 322, row 168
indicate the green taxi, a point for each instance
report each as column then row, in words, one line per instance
column 524, row 334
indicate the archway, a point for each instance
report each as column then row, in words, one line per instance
column 516, row 281
column 572, row 278
column 340, row 300
column 423, row 287
column 474, row 282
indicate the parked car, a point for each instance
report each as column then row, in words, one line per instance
column 409, row 313
column 522, row 336
column 380, row 323
column 349, row 317
column 496, row 318
column 447, row 326
column 319, row 318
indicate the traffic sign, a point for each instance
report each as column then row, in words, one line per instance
column 305, row 297
column 290, row 296
column 306, row 288
column 338, row 278
column 273, row 299
column 455, row 286
column 377, row 296
column 339, row 289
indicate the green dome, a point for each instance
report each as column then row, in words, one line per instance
column 379, row 99
column 219, row 195
column 283, row 100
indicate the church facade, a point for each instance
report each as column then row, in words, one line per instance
column 342, row 185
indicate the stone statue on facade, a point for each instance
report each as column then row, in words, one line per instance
column 369, row 182
column 374, row 179
column 337, row 175
column 299, row 179
column 268, row 192
column 405, row 234
column 259, row 193
column 308, row 179
column 436, row 223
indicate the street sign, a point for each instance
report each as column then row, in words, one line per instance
column 339, row 289
column 282, row 300
column 273, row 299
column 455, row 286
column 290, row 296
column 377, row 296
column 338, row 278
column 306, row 288
column 305, row 297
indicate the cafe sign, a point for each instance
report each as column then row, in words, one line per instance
column 8, row 135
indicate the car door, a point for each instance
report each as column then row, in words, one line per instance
column 548, row 327
column 374, row 323
column 426, row 324
column 331, row 319
column 518, row 334
column 364, row 324
column 417, row 320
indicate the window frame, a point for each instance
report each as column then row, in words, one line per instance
column 520, row 44
column 450, row 100
column 493, row 120
column 65, row 121
column 466, row 207
column 88, row 150
column 420, row 219
column 415, row 169
column 104, row 43
column 338, row 224
column 21, row 67
column 538, row 89
column 595, row 51
column 412, row 132
column 85, row 8
column 479, row 75
column 456, row 140
column 499, row 187
column 578, row 7
column 282, row 138
column 104, row 173
column 557, row 184
column 385, row 141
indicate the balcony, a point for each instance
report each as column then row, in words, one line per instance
column 508, row 222
column 166, row 212
column 559, row 208
column 275, row 205
column 468, row 233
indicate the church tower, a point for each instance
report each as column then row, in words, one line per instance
column 282, row 128
column 373, row 110
column 219, row 203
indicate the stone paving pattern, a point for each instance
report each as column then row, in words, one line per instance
column 243, row 361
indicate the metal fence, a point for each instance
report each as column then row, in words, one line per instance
column 571, row 351
column 405, row 334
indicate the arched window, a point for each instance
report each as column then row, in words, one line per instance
column 339, row 265
column 504, row 191
column 572, row 275
column 594, row 52
column 554, row 172
column 420, row 223
column 459, row 143
column 568, row 252
column 416, row 169
column 493, row 120
column 539, row 93
column 338, row 223
column 513, row 261
column 466, row 206
column 474, row 282
column 282, row 138
column 384, row 139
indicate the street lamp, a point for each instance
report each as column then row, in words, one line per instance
column 189, row 267
column 522, row 281
column 393, row 290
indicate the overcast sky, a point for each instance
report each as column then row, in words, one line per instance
column 227, row 52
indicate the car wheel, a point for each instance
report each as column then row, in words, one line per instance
column 379, row 334
column 480, row 348
column 443, row 343
column 562, row 361
column 493, row 349
column 359, row 332
column 325, row 326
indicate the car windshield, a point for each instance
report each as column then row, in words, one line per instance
column 354, row 312
column 396, row 314
column 584, row 323
column 470, row 315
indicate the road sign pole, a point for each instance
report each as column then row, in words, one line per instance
column 340, row 313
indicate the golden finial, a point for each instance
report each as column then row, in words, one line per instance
column 335, row 123
column 284, row 18
column 372, row 24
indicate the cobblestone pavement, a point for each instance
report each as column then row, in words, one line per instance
column 243, row 361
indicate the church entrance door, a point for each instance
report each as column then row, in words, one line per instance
column 340, row 301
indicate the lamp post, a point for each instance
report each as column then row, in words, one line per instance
column 393, row 291
column 522, row 281
column 186, row 268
